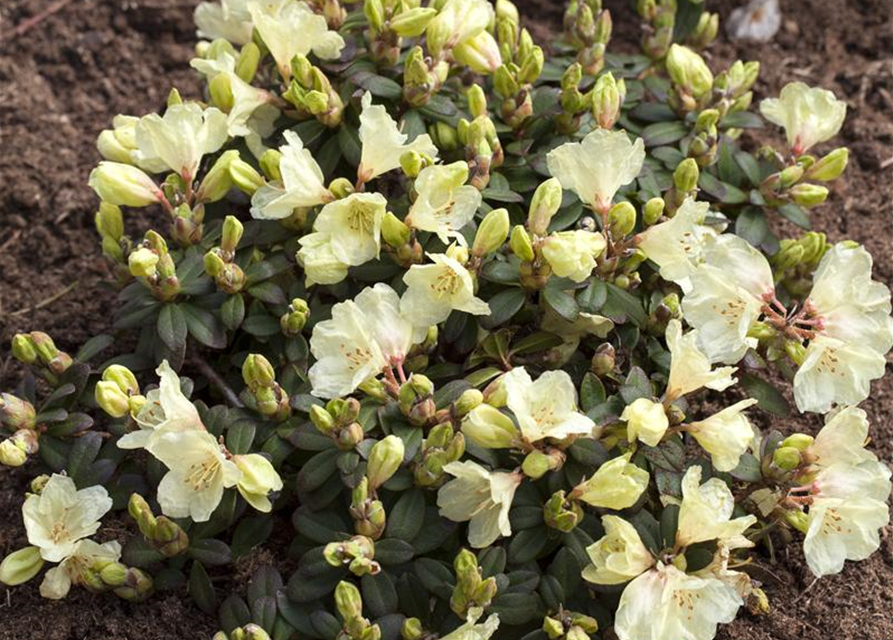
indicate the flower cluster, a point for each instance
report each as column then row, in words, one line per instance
column 491, row 341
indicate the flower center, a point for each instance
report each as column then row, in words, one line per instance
column 59, row 532
column 201, row 474
column 446, row 284
column 361, row 218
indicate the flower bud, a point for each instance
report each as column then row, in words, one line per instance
column 294, row 320
column 798, row 520
column 348, row 600
column 20, row 566
column 15, row 413
column 112, row 399
column 688, row 70
column 606, row 101
column 11, row 455
column 255, row 632
column 109, row 221
column 479, row 53
column 562, row 514
column 622, row 219
column 114, row 574
column 412, row 629
column 686, row 175
column 790, row 176
column 341, row 188
column 394, row 230
column 259, row 479
column 245, row 177
column 214, row 264
column 231, row 234
column 123, row 185
column 477, row 101
column 143, row 262
column 217, row 181
column 257, row 372
column 123, row 377
column 830, row 167
column 321, row 419
column 23, row 349
column 141, row 512
column 491, row 233
column 488, row 427
column 385, row 458
column 786, row 458
column 137, row 586
column 521, row 244
column 545, row 204
column 445, row 137
column 652, row 211
column 808, row 195
column 169, row 538
column 411, row 23
column 798, row 441
column 603, row 360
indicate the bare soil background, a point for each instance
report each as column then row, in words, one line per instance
column 63, row 80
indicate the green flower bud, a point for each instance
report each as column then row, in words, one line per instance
column 689, row 71
column 603, row 360
column 11, row 455
column 786, row 458
column 257, row 372
column 114, row 574
column 295, row 319
column 124, row 185
column 469, row 400
column 798, row 441
column 652, row 211
column 606, row 101
column 341, row 188
column 521, row 244
column 536, row 464
column 217, row 181
column 269, row 164
column 245, row 177
column 412, row 22
column 141, row 512
column 20, row 566
column 23, row 349
column 348, row 600
column 374, row 11
column 830, row 167
column 142, row 262
column 322, row 419
column 488, row 427
column 412, row 629
column 110, row 221
column 123, row 377
column 505, row 83
column 255, row 632
column 506, row 10
column 137, row 586
column 221, row 89
column 112, row 399
column 445, row 137
column 707, row 120
column 808, row 195
column 545, row 204
column 562, row 514
column 622, row 219
column 214, row 264
column 231, row 234
column 686, row 175
column 532, row 67
column 491, row 233
column 385, row 459
column 553, row 628
column 477, row 101
column 790, row 176
column 798, row 520
column 246, row 65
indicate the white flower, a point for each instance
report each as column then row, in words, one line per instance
column 726, row 297
column 383, row 144
column 364, row 336
column 646, row 421
column 118, row 143
column 73, row 569
column 445, row 203
column 725, row 435
column 598, row 166
column 834, row 371
column 809, row 115
column 676, row 245
column 166, row 410
column 849, row 506
column 473, row 631
column 291, row 28
column 855, row 332
column 572, row 254
column 546, row 408
column 180, row 139
column 842, row 439
column 229, row 20
column 481, row 497
column 259, row 479
column 572, row 332
column 354, row 226
column 198, row 472
column 303, row 184
column 619, row 556
column 124, row 185
column 667, row 604
column 61, row 515
column 690, row 369
column 706, row 511
column 617, row 484
column 436, row 290
column 321, row 265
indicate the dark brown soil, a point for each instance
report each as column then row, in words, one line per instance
column 64, row 79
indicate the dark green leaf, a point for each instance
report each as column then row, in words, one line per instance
column 171, row 327
column 752, row 225
column 503, row 306
column 768, row 397
column 201, row 589
column 795, row 214
column 232, row 311
column 561, row 302
column 661, row 133
column 378, row 85
column 210, row 552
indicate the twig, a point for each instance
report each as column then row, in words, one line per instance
column 40, row 17
column 47, row 301
column 12, row 238
column 218, row 382
column 886, row 163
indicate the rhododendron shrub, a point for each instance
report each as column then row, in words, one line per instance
column 479, row 340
